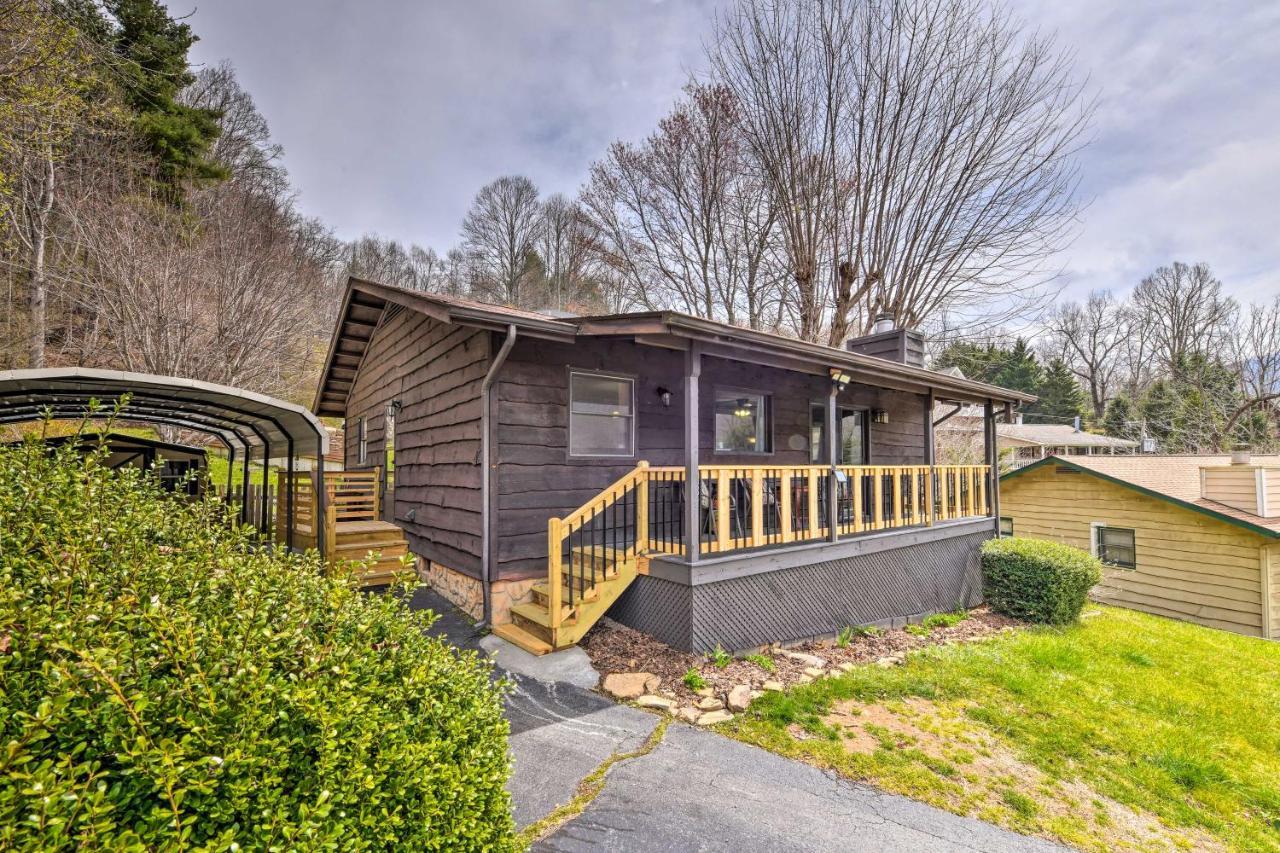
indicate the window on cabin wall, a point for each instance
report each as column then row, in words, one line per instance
column 601, row 415
column 362, row 441
column 1006, row 525
column 742, row 422
column 1115, row 546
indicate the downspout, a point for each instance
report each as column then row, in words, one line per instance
column 486, row 538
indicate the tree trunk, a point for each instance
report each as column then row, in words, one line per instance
column 37, row 279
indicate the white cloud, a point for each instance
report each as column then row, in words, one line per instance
column 393, row 114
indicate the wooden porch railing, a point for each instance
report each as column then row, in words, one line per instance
column 349, row 496
column 747, row 506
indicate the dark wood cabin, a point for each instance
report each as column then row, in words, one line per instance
column 818, row 502
column 174, row 464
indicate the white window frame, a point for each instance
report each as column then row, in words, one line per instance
column 362, row 441
column 631, row 384
column 766, row 416
column 1095, row 529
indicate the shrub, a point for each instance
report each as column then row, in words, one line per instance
column 1037, row 580
column 694, row 680
column 720, row 657
column 945, row 620
column 845, row 635
column 165, row 682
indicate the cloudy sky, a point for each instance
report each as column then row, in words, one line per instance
column 393, row 114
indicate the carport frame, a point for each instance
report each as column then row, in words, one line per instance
column 236, row 417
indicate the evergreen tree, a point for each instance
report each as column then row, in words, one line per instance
column 150, row 63
column 1061, row 397
column 1160, row 410
column 1020, row 370
column 1118, row 421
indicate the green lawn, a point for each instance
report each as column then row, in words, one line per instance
column 1124, row 731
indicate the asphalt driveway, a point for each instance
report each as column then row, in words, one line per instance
column 695, row 790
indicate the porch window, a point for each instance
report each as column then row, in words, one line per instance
column 362, row 442
column 1115, row 546
column 601, row 415
column 742, row 422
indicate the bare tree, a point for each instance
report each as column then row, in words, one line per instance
column 562, row 246
column 681, row 220
column 1090, row 340
column 1256, row 353
column 922, row 154
column 499, row 233
column 389, row 262
column 1187, row 312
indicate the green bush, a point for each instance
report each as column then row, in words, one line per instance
column 1037, row 580
column 165, row 684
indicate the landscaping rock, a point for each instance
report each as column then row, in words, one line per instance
column 739, row 698
column 773, row 685
column 710, row 703
column 804, row 679
column 660, row 703
column 806, row 659
column 889, row 661
column 627, row 685
column 710, row 719
column 705, row 691
column 689, row 715
column 815, row 671
column 848, row 666
column 652, row 683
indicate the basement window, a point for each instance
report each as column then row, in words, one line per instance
column 1006, row 525
column 1115, row 546
column 601, row 415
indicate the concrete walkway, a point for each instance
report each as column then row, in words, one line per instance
column 695, row 790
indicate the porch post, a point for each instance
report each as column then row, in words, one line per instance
column 693, row 481
column 244, row 486
column 288, row 503
column 833, row 458
column 930, row 454
column 992, row 456
column 231, row 468
column 265, row 512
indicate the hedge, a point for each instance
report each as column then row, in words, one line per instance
column 166, row 683
column 1037, row 580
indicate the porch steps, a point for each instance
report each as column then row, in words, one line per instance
column 356, row 540
column 531, row 623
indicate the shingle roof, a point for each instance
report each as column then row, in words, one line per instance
column 1060, row 435
column 1174, row 477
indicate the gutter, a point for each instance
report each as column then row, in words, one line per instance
column 486, row 540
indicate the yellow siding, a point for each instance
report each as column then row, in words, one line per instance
column 1189, row 566
column 1236, row 485
column 1273, row 565
column 1272, row 476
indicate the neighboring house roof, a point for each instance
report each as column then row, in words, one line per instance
column 365, row 301
column 1039, row 435
column 1175, row 479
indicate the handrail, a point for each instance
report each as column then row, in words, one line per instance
column 747, row 506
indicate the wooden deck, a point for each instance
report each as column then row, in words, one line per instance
column 352, row 528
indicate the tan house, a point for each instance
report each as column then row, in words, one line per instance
column 1190, row 537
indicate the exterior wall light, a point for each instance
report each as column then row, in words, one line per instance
column 665, row 396
column 840, row 378
column 879, row 416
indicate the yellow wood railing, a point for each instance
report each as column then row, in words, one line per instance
column 350, row 496
column 748, row 506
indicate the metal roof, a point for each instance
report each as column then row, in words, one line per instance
column 239, row 418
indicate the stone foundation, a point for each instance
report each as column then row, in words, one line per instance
column 464, row 591
column 467, row 593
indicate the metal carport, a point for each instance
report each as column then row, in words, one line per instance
column 243, row 421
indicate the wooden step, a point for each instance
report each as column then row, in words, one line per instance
column 360, row 552
column 542, row 593
column 540, row 615
column 515, row 634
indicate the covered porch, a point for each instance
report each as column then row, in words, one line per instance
column 804, row 462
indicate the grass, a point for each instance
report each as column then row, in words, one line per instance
column 693, row 680
column 1125, row 730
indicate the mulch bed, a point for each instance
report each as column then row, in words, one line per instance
column 617, row 648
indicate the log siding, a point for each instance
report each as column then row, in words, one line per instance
column 535, row 478
column 435, row 370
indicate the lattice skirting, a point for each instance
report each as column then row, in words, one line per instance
column 886, row 588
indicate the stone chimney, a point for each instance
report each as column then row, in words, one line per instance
column 889, row 342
